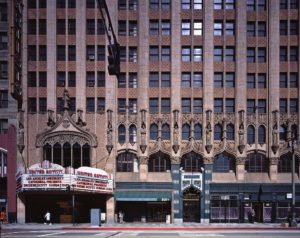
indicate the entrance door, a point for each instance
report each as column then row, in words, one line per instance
column 191, row 205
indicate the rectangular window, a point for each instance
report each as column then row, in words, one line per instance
column 186, row 54
column 133, row 105
column 198, row 80
column 283, row 80
column 71, row 27
column 261, row 5
column 218, row 54
column 42, row 105
column 165, row 53
column 186, row 80
column 43, row 79
column 31, row 4
column 294, row 4
column 133, row 28
column 123, row 56
column 101, row 79
column 218, row 28
column 261, row 82
column 42, row 53
column 251, row 29
column 60, row 27
column 122, row 4
column 185, row 4
column 3, row 99
column 230, row 54
column 261, row 29
column 61, row 3
column 122, row 80
column 229, row 4
column 154, row 4
column 218, row 80
column 31, row 53
column 261, row 106
column 72, row 79
column 101, row 105
column 230, row 107
column 283, row 28
column 122, row 28
column 3, row 41
column 100, row 27
column 198, row 105
column 32, row 105
column 59, row 105
column 72, row 53
column 186, row 105
column 61, row 52
column 133, row 81
column 294, row 27
column 165, row 80
column 197, row 28
column 218, row 105
column 90, row 52
column 230, row 29
column 230, row 80
column 90, row 79
column 153, row 53
column 101, row 53
column 198, row 54
column 3, row 12
column 261, row 55
column 186, row 28
column 133, row 54
column 3, row 126
column 250, row 5
column 218, row 4
column 165, row 105
column 283, row 105
column 293, row 80
column 42, row 27
column 283, row 4
column 250, row 80
column 72, row 104
column 90, row 105
column 250, row 106
column 71, row 3
column 31, row 79
column 165, row 28
column 154, row 79
column 3, row 70
column 133, row 4
column 90, row 27
column 121, row 105
column 61, row 79
column 90, row 3
column 293, row 105
column 294, row 53
column 283, row 54
column 250, row 55
column 153, row 105
column 154, row 28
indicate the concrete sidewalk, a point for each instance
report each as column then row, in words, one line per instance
column 148, row 226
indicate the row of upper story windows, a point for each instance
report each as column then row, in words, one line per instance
column 161, row 27
column 163, row 79
column 252, row 5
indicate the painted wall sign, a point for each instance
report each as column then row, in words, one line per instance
column 48, row 176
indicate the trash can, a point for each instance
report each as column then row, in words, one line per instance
column 95, row 217
column 168, row 219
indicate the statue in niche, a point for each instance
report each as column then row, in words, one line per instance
column 208, row 127
column 80, row 121
column 66, row 99
column 50, row 118
column 275, row 134
column 241, row 131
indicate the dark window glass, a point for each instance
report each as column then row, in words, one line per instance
column 31, row 53
column 223, row 163
column 256, row 163
column 283, row 105
column 42, row 105
column 294, row 53
column 186, row 80
column 153, row 107
column 250, row 135
column 261, row 81
column 250, row 55
column 125, row 162
column 121, row 105
column 90, row 27
column 230, row 107
column 198, row 81
column 283, row 28
column 261, row 29
column 251, row 106
column 31, row 79
column 218, row 54
column 261, row 135
column 132, row 134
column 90, row 104
column 192, row 162
column 154, row 79
column 90, row 3
column 283, row 80
column 72, row 53
column 153, row 132
column 90, row 79
column 230, row 80
column 42, row 27
column 61, row 79
column 293, row 105
column 121, row 134
column 165, row 132
column 32, row 105
column 186, row 105
column 230, row 132
column 61, row 3
column 43, row 79
column 101, row 105
column 198, row 131
column 283, row 53
column 185, row 135
column 122, row 80
column 133, row 105
column 218, row 80
column 165, row 79
column 61, row 52
column 101, row 79
column 261, row 55
column 218, row 132
column 293, row 80
column 261, row 106
column 60, row 27
column 198, row 105
column 250, row 80
column 71, row 27
column 294, row 27
column 159, row 162
column 251, row 29
column 165, row 105
column 218, row 105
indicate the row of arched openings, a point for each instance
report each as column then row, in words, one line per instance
column 68, row 155
column 193, row 162
column 219, row 133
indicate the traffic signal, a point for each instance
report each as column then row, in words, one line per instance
column 114, row 59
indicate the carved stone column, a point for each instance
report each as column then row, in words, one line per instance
column 273, row 162
column 143, row 168
column 240, row 168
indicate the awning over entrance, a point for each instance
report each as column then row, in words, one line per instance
column 143, row 196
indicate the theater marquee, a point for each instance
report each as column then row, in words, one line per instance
column 53, row 177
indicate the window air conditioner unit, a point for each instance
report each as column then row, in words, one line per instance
column 91, row 57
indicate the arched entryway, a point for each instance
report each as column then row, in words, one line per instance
column 191, row 205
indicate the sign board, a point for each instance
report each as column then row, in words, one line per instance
column 191, row 179
column 48, row 176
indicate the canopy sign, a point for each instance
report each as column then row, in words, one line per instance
column 52, row 177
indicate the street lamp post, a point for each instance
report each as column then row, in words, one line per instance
column 293, row 221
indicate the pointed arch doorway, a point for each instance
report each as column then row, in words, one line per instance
column 191, row 205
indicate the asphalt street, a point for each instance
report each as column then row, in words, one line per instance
column 106, row 234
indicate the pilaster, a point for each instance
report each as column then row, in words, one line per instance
column 110, row 210
column 143, row 168
column 177, row 199
column 205, row 198
column 240, row 168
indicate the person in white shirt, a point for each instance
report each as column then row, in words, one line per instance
column 48, row 218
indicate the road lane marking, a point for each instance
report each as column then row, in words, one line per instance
column 52, row 234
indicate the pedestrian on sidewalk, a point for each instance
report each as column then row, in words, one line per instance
column 3, row 216
column 48, row 218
